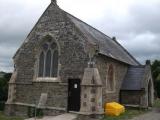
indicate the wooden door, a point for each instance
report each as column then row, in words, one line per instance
column 74, row 94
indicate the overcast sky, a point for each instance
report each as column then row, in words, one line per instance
column 135, row 23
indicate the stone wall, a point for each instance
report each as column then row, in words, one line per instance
column 22, row 110
column 144, row 97
column 30, row 94
column 120, row 71
column 72, row 53
column 131, row 97
column 148, row 96
column 72, row 57
column 73, row 60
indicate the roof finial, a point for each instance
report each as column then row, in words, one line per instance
column 114, row 38
column 148, row 62
column 54, row 1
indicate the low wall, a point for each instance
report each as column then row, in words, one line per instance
column 25, row 110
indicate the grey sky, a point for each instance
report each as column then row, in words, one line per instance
column 135, row 23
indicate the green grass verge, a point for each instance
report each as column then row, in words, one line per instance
column 130, row 113
column 3, row 117
column 157, row 103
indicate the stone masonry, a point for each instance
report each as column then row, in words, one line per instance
column 75, row 48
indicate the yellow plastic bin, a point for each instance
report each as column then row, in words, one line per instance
column 114, row 109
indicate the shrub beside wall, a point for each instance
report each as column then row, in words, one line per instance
column 2, row 105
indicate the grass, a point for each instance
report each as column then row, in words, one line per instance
column 3, row 117
column 157, row 103
column 130, row 113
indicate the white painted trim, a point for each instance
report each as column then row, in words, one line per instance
column 47, row 79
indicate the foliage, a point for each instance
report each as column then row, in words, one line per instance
column 2, row 105
column 156, row 76
column 2, row 74
column 4, row 78
column 3, row 117
column 4, row 86
column 130, row 113
column 31, row 112
column 157, row 87
column 155, row 69
column 157, row 103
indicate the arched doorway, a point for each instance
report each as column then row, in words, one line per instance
column 150, row 95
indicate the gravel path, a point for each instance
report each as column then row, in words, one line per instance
column 153, row 115
column 66, row 116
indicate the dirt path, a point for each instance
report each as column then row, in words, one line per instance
column 153, row 115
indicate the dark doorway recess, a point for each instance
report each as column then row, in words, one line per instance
column 74, row 90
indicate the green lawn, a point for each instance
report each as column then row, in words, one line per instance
column 3, row 117
column 130, row 113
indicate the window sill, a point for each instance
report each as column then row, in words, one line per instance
column 47, row 79
column 110, row 91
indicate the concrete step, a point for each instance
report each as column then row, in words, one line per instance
column 67, row 116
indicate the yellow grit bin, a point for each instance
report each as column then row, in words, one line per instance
column 114, row 109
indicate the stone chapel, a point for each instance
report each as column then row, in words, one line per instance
column 76, row 67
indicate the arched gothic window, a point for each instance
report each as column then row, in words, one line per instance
column 110, row 78
column 48, row 60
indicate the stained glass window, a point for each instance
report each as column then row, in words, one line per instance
column 48, row 60
column 48, row 64
column 55, row 64
column 41, row 64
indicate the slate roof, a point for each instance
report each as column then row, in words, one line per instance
column 107, row 46
column 134, row 78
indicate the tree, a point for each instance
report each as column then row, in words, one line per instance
column 4, row 86
column 156, row 76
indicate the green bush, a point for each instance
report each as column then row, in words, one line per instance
column 157, row 86
column 156, row 76
column 31, row 112
column 2, row 105
column 4, row 86
column 157, row 103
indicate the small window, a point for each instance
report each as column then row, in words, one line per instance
column 48, row 60
column 110, row 78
